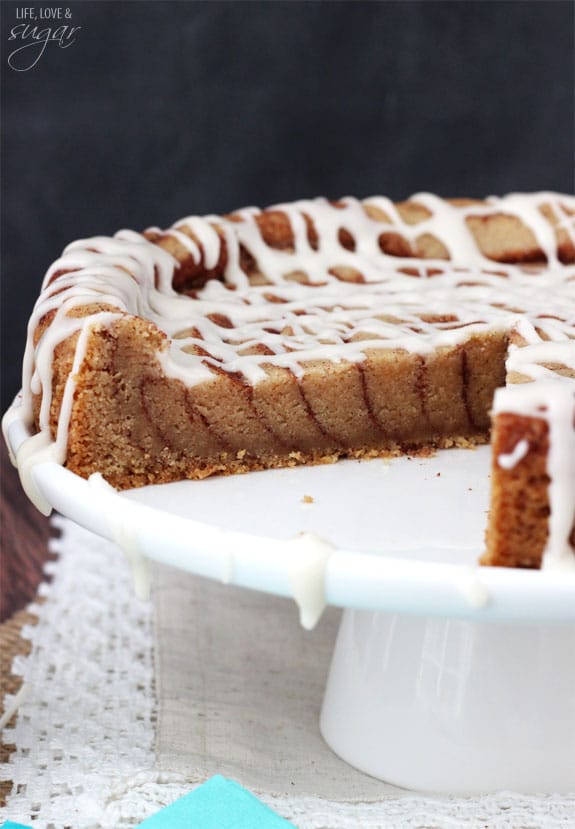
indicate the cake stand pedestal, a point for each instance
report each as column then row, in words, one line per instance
column 449, row 705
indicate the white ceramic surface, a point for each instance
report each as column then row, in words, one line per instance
column 405, row 534
column 448, row 705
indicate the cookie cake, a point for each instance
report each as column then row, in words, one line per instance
column 317, row 330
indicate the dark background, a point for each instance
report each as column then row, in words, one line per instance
column 162, row 109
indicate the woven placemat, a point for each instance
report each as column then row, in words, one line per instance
column 11, row 644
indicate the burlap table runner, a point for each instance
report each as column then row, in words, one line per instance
column 239, row 690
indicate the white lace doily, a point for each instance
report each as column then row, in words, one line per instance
column 84, row 734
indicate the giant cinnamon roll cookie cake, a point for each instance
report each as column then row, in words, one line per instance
column 318, row 330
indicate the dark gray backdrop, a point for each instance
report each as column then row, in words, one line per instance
column 161, row 109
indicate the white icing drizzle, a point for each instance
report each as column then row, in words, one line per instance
column 186, row 241
column 511, row 459
column 203, row 230
column 123, row 534
column 236, row 325
column 11, row 416
column 39, row 448
column 307, row 557
column 472, row 588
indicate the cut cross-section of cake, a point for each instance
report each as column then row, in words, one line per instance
column 317, row 330
column 533, row 466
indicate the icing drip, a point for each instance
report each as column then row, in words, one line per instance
column 473, row 589
column 124, row 535
column 36, row 450
column 301, row 307
column 512, row 459
column 307, row 557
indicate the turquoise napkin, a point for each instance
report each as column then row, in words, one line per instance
column 10, row 825
column 217, row 804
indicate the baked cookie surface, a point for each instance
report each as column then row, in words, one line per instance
column 317, row 330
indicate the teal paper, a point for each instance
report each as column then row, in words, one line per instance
column 217, row 804
column 10, row 825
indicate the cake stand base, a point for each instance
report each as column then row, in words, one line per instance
column 450, row 706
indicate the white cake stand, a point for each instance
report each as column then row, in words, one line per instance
column 446, row 677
